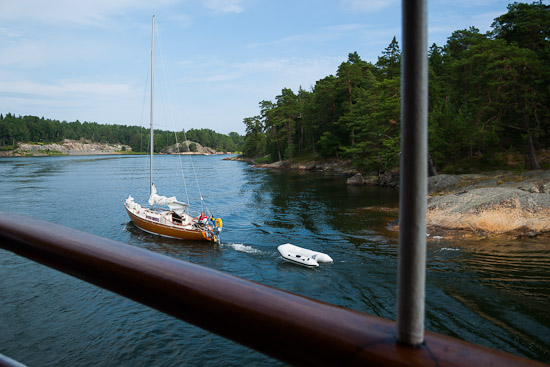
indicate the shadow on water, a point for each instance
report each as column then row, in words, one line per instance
column 315, row 203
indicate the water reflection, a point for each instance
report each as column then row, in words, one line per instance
column 316, row 204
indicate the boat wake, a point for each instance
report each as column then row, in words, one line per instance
column 243, row 248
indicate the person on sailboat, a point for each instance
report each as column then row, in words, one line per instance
column 203, row 219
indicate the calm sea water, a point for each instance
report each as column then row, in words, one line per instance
column 492, row 292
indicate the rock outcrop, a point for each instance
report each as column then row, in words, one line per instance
column 356, row 180
column 69, row 147
column 442, row 182
column 388, row 179
column 82, row 147
column 492, row 210
column 199, row 149
column 332, row 166
column 499, row 203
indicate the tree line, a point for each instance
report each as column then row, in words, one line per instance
column 489, row 98
column 25, row 129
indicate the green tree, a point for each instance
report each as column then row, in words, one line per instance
column 273, row 135
column 329, row 145
column 285, row 114
column 254, row 141
column 323, row 110
column 527, row 25
column 389, row 64
column 354, row 76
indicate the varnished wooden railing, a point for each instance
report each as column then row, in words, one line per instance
column 286, row 326
column 8, row 362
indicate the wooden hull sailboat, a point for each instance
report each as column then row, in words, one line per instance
column 168, row 223
column 174, row 221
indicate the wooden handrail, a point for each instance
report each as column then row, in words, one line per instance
column 292, row 328
column 8, row 362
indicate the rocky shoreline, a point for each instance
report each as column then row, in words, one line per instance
column 509, row 204
column 501, row 203
column 66, row 147
column 332, row 167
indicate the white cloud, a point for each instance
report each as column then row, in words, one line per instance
column 9, row 33
column 483, row 21
column 64, row 55
column 275, row 73
column 473, row 3
column 367, row 6
column 182, row 20
column 224, row 6
column 442, row 24
column 66, row 89
column 370, row 40
column 103, row 102
column 323, row 35
column 64, row 12
column 24, row 54
column 240, row 86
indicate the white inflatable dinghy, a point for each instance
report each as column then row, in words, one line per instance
column 303, row 256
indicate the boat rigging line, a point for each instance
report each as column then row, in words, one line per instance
column 170, row 114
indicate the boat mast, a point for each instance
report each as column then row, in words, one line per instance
column 152, row 93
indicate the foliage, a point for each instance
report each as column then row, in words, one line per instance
column 328, row 144
column 488, row 94
column 222, row 143
column 24, row 129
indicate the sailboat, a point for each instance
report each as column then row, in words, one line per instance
column 166, row 216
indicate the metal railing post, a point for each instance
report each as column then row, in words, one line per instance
column 413, row 174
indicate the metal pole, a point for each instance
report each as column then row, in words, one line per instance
column 152, row 95
column 413, row 174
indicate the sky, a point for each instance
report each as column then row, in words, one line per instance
column 215, row 60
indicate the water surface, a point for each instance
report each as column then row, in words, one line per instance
column 491, row 292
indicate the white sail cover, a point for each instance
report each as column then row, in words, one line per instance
column 177, row 207
column 158, row 199
column 171, row 202
column 131, row 204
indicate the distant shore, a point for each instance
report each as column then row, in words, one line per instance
column 66, row 147
column 78, row 148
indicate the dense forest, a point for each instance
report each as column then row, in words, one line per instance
column 489, row 102
column 26, row 129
